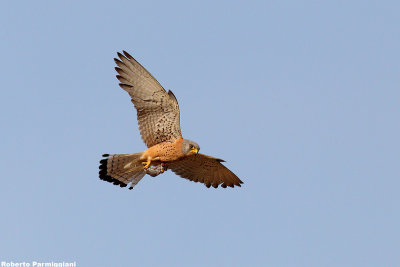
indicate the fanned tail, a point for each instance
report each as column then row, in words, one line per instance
column 121, row 169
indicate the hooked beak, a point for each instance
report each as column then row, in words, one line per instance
column 195, row 150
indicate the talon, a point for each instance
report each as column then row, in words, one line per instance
column 146, row 164
column 164, row 166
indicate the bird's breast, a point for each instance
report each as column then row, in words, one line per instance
column 166, row 151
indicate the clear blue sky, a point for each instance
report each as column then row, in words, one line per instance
column 301, row 98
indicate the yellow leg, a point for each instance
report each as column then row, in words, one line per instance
column 146, row 164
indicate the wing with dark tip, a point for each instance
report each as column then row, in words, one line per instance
column 205, row 169
column 157, row 110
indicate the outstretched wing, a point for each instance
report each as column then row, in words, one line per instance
column 157, row 111
column 205, row 169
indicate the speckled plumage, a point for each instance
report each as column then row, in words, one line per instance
column 157, row 110
column 159, row 124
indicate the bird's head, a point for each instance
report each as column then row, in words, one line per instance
column 190, row 147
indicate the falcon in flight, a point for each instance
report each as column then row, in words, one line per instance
column 159, row 125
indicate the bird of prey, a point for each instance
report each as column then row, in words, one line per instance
column 159, row 124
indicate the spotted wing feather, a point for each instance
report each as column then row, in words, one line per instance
column 205, row 169
column 157, row 110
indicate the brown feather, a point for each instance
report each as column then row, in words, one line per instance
column 121, row 169
column 157, row 111
column 205, row 169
